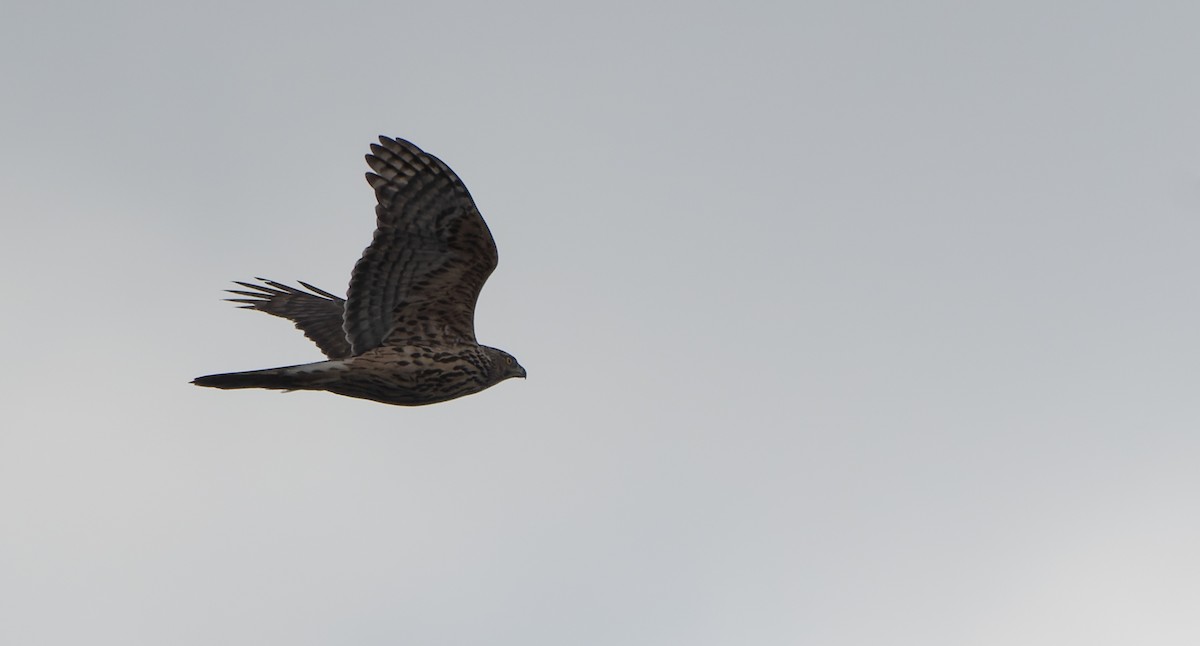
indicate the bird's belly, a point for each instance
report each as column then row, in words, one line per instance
column 410, row 376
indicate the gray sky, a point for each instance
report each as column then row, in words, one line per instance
column 845, row 324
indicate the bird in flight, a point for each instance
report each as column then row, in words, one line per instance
column 405, row 333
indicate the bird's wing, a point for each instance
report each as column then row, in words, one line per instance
column 418, row 280
column 319, row 314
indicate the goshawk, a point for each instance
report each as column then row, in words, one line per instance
column 405, row 333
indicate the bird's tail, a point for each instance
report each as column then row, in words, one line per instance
column 308, row 376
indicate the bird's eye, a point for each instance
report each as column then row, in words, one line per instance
column 509, row 360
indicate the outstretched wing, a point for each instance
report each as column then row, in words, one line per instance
column 419, row 279
column 317, row 314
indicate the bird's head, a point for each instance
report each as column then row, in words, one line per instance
column 504, row 366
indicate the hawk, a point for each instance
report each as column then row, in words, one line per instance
column 405, row 333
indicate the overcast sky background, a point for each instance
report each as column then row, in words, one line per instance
column 846, row 323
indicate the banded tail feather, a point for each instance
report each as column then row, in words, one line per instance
column 302, row 377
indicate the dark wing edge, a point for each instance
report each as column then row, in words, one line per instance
column 429, row 257
column 316, row 313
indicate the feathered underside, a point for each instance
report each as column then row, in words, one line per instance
column 420, row 277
